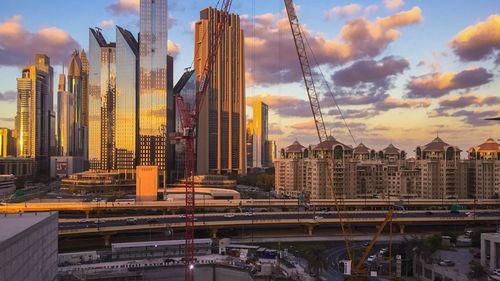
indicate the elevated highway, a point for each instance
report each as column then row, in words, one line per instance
column 350, row 204
column 308, row 220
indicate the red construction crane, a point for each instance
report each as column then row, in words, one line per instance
column 189, row 121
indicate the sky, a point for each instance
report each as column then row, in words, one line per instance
column 401, row 71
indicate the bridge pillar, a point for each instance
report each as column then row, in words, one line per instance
column 107, row 238
column 87, row 214
column 401, row 228
column 310, row 229
column 213, row 232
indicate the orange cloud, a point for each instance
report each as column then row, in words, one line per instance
column 393, row 4
column 173, row 48
column 17, row 44
column 479, row 41
column 342, row 11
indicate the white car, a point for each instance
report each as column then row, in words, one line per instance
column 446, row 263
column 318, row 217
column 248, row 214
column 496, row 271
column 371, row 258
column 229, row 215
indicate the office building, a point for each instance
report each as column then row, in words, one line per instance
column 85, row 89
column 146, row 183
column 102, row 98
column 75, row 88
column 28, row 246
column 35, row 117
column 156, row 102
column 7, row 142
column 65, row 120
column 127, row 67
column 250, row 143
column 260, row 127
column 18, row 166
column 222, row 117
column 270, row 153
column 484, row 170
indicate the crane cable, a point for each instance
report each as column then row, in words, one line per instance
column 328, row 87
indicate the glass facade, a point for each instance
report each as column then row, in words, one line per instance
column 260, row 117
column 75, row 87
column 102, row 81
column 65, row 120
column 127, row 51
column 156, row 115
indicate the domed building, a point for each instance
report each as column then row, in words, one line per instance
column 289, row 170
column 484, row 170
column 439, row 163
column 361, row 152
column 390, row 153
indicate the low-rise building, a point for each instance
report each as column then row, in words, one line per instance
column 28, row 246
column 7, row 186
column 18, row 166
column 490, row 250
column 103, row 183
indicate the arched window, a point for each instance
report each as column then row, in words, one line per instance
column 338, row 152
column 450, row 153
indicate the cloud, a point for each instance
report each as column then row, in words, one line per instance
column 106, row 23
column 275, row 129
column 342, row 11
column 370, row 71
column 353, row 113
column 173, row 49
column 476, row 118
column 6, row 119
column 468, row 100
column 393, row 4
column 18, row 45
column 479, row 41
column 270, row 37
column 124, row 7
column 285, row 106
column 8, row 96
column 391, row 103
column 439, row 84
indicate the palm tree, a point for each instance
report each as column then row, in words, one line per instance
column 477, row 272
column 316, row 257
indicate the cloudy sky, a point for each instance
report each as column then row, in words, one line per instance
column 400, row 70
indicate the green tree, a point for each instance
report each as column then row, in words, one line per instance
column 477, row 272
column 316, row 257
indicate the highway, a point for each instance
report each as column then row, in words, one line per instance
column 308, row 219
column 350, row 204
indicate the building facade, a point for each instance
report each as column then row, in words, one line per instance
column 156, row 101
column 222, row 117
column 127, row 83
column 65, row 120
column 35, row 117
column 102, row 99
column 261, row 128
column 483, row 167
column 7, row 142
column 75, row 88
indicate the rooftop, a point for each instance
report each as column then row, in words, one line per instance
column 13, row 224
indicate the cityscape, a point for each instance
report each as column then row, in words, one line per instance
column 249, row 140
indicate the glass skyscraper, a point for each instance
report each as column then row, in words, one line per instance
column 127, row 65
column 260, row 135
column 75, row 87
column 156, row 108
column 65, row 120
column 102, row 98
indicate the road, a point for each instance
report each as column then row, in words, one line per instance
column 259, row 217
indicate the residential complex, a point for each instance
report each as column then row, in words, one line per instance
column 332, row 168
column 222, row 118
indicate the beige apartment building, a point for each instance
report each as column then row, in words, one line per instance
column 436, row 172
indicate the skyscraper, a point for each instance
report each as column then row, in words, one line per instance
column 127, row 65
column 65, row 120
column 102, row 81
column 75, row 88
column 156, row 103
column 221, row 145
column 260, row 125
column 34, row 120
column 85, row 102
column 7, row 142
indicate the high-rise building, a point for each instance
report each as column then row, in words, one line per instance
column 102, row 96
column 85, row 88
column 156, row 101
column 260, row 126
column 127, row 66
column 7, row 142
column 65, row 120
column 484, row 167
column 75, row 88
column 222, row 117
column 270, row 153
column 250, row 143
column 35, row 117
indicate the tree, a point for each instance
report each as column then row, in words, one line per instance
column 477, row 272
column 316, row 257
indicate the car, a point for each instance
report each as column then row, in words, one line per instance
column 371, row 258
column 428, row 213
column 248, row 214
column 83, row 221
column 454, row 212
column 446, row 263
column 318, row 217
column 383, row 250
column 181, row 216
column 366, row 244
column 496, row 271
column 131, row 220
column 229, row 215
column 59, row 197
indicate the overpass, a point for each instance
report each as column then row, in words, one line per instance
column 308, row 220
column 233, row 205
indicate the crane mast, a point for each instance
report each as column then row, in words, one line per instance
column 359, row 268
column 306, row 70
column 189, row 121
